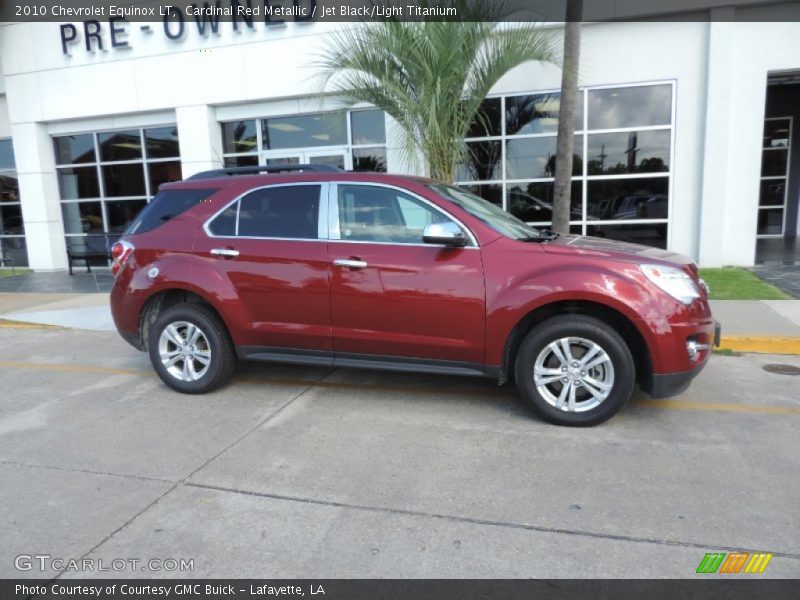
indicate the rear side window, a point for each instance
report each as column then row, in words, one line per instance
column 166, row 205
column 275, row 212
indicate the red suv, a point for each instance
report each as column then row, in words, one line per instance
column 312, row 265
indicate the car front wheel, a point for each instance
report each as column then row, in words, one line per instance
column 190, row 349
column 574, row 370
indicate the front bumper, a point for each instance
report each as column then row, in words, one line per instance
column 664, row 385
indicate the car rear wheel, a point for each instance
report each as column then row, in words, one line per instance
column 190, row 349
column 574, row 370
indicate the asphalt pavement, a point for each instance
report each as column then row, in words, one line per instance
column 303, row 472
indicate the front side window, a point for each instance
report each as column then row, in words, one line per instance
column 277, row 212
column 379, row 214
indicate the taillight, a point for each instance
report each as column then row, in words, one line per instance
column 120, row 253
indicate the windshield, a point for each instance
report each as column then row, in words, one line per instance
column 494, row 216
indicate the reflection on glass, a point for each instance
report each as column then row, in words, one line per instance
column 120, row 145
column 487, row 121
column 773, row 162
column 367, row 127
column 491, row 192
column 776, row 133
column 770, row 221
column 533, row 202
column 616, row 199
column 631, row 152
column 73, row 149
column 7, row 154
column 529, row 158
column 82, row 217
column 773, row 192
column 123, row 180
column 122, row 212
column 163, row 172
column 241, row 161
column 651, row 234
column 11, row 220
column 369, row 159
column 239, row 136
column 638, row 106
column 300, row 131
column 16, row 249
column 162, row 142
column 331, row 160
column 9, row 187
column 78, row 182
column 537, row 113
column 284, row 160
column 482, row 161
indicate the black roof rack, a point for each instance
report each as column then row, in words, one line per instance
column 314, row 168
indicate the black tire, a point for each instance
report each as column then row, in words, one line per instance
column 535, row 344
column 217, row 345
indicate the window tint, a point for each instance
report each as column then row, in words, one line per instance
column 165, row 206
column 225, row 224
column 378, row 214
column 281, row 212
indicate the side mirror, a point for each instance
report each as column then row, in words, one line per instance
column 445, row 234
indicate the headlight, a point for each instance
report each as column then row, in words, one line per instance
column 673, row 281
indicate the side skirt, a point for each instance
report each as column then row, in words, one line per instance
column 326, row 358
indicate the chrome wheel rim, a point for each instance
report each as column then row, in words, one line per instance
column 573, row 374
column 184, row 351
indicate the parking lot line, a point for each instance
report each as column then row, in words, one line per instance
column 668, row 404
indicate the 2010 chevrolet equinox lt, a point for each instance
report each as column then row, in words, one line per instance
column 316, row 266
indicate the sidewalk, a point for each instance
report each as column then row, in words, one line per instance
column 766, row 326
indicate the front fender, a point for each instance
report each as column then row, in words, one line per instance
column 620, row 288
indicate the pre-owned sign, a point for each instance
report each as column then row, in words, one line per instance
column 95, row 34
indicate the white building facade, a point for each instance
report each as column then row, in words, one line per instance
column 676, row 143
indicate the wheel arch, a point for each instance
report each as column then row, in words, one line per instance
column 166, row 298
column 622, row 324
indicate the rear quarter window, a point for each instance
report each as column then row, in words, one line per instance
column 167, row 205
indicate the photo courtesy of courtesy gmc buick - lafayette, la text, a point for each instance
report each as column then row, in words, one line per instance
column 312, row 265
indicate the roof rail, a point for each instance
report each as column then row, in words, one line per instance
column 315, row 168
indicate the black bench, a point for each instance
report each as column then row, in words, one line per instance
column 89, row 246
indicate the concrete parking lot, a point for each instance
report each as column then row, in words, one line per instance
column 302, row 472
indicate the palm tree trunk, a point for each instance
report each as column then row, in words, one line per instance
column 566, row 116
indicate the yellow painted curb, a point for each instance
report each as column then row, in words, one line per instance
column 760, row 344
column 9, row 324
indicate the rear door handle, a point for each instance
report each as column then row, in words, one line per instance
column 225, row 252
column 350, row 263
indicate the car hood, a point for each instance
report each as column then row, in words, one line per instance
column 613, row 249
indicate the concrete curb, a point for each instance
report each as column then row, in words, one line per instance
column 10, row 324
column 775, row 344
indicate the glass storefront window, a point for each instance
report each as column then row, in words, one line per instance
column 75, row 149
column 532, row 158
column 368, row 127
column 120, row 145
column 162, row 142
column 488, row 121
column 621, row 163
column 635, row 106
column 320, row 138
column 126, row 168
column 537, row 113
column 13, row 245
column 239, row 136
column 303, row 131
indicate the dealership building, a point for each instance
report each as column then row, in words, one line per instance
column 687, row 138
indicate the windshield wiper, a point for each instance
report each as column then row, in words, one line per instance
column 542, row 235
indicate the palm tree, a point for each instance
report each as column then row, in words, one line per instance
column 566, row 117
column 431, row 76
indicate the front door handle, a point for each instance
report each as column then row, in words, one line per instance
column 225, row 252
column 350, row 263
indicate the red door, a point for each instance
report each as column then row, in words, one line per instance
column 397, row 296
column 277, row 265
